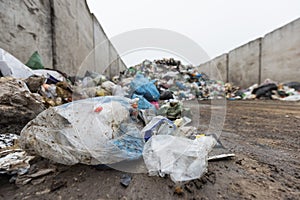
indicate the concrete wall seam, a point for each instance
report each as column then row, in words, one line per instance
column 275, row 56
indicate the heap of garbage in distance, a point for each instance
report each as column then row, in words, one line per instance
column 96, row 120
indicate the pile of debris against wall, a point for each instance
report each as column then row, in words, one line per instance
column 141, row 114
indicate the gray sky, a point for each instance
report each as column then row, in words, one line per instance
column 218, row 26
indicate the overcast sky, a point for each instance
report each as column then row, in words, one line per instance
column 218, row 26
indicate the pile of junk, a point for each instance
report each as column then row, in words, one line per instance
column 99, row 120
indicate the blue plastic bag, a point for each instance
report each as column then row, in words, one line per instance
column 142, row 86
column 143, row 103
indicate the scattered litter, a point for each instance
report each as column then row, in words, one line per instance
column 27, row 178
column 41, row 172
column 7, row 140
column 35, row 61
column 96, row 120
column 220, row 157
column 125, row 180
column 178, row 190
column 15, row 161
column 43, row 192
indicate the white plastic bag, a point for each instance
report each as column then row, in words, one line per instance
column 11, row 66
column 292, row 98
column 89, row 131
column 183, row 159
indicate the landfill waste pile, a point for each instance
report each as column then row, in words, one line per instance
column 97, row 120
column 269, row 89
column 185, row 82
column 176, row 81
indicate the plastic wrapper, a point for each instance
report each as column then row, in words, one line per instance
column 118, row 91
column 90, row 131
column 292, row 98
column 52, row 76
column 35, row 61
column 11, row 66
column 13, row 160
column 108, row 86
column 158, row 126
column 183, row 159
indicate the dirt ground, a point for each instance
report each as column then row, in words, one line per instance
column 264, row 135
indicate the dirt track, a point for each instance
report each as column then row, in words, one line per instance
column 264, row 135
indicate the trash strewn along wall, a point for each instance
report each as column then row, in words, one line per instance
column 275, row 56
column 63, row 32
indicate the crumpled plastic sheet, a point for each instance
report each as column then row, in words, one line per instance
column 159, row 125
column 90, row 131
column 13, row 160
column 7, row 140
column 183, row 159
column 11, row 66
column 292, row 98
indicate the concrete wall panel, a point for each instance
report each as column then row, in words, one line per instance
column 216, row 68
column 101, row 48
column 113, row 61
column 26, row 28
column 281, row 54
column 244, row 64
column 73, row 36
column 64, row 32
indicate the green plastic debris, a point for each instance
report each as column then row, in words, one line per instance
column 35, row 61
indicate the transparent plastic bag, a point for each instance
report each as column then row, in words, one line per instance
column 183, row 159
column 11, row 66
column 88, row 131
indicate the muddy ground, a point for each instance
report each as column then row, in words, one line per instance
column 264, row 135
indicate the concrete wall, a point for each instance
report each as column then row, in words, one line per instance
column 244, row 64
column 25, row 26
column 64, row 32
column 74, row 39
column 281, row 53
column 275, row 56
column 101, row 45
column 216, row 68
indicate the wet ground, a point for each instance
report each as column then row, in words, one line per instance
column 264, row 135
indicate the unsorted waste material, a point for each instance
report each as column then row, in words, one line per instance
column 13, row 160
column 97, row 120
column 91, row 131
column 125, row 180
column 17, row 104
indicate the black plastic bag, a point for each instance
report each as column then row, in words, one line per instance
column 295, row 85
column 166, row 95
column 265, row 90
